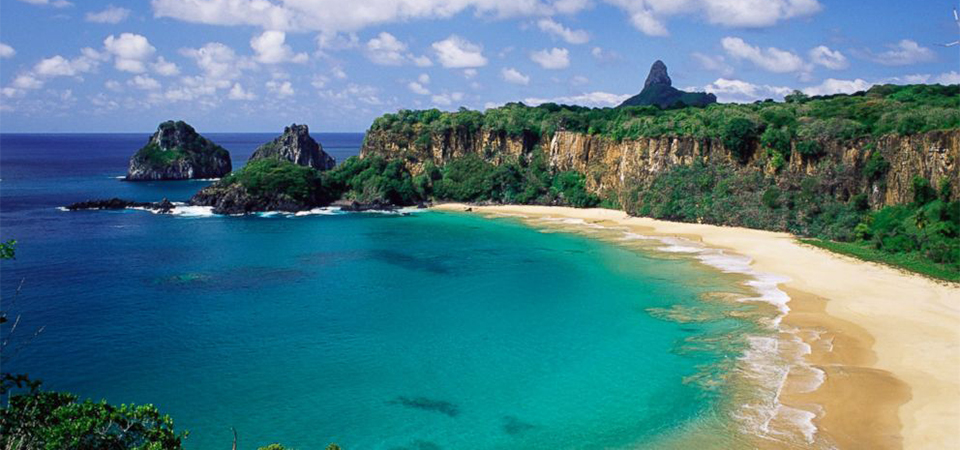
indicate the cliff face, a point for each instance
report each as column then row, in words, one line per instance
column 615, row 169
column 296, row 145
column 176, row 152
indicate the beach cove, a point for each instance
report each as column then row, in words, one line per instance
column 886, row 342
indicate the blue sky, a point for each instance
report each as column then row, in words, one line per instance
column 256, row 65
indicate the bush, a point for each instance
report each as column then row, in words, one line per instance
column 266, row 176
column 876, row 166
column 771, row 197
column 810, row 149
column 570, row 188
column 737, row 136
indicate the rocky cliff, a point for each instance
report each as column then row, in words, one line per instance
column 176, row 152
column 296, row 145
column 614, row 169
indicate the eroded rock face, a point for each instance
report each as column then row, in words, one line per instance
column 616, row 168
column 296, row 145
column 176, row 152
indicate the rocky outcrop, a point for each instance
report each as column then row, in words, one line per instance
column 176, row 152
column 296, row 146
column 164, row 206
column 658, row 90
column 616, row 168
column 235, row 199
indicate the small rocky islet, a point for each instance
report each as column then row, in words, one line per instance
column 177, row 152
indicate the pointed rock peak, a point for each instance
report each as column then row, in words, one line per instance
column 172, row 134
column 296, row 146
column 300, row 130
column 658, row 75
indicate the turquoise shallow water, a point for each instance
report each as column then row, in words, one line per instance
column 433, row 330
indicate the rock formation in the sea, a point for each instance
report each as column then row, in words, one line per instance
column 296, row 145
column 177, row 152
column 658, row 90
column 163, row 206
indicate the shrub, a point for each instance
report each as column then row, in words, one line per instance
column 876, row 166
column 810, row 149
column 771, row 197
column 737, row 137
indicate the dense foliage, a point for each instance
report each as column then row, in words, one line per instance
column 881, row 110
column 53, row 420
column 275, row 176
column 179, row 141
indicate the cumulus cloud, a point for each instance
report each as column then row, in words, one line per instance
column 455, row 52
column 165, row 68
column 52, row 67
column 831, row 59
column 270, row 48
column 605, row 56
column 513, row 76
column 281, row 89
column 555, row 58
column 113, row 14
column 386, row 49
column 586, row 99
column 549, row 26
column 238, row 93
column 952, row 77
column 738, row 91
column 131, row 51
column 770, row 59
column 144, row 82
column 649, row 16
column 447, row 99
column 53, row 3
column 217, row 60
column 332, row 16
column 903, row 53
column 422, row 61
column 6, row 51
column 418, row 88
column 832, row 86
column 713, row 63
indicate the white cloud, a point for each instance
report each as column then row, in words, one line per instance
column 469, row 73
column 422, row 61
column 713, row 63
column 217, row 61
column 831, row 59
column 737, row 91
column 113, row 85
column 833, row 86
column 353, row 93
column 579, row 80
column 548, row 25
column 165, row 68
column 418, row 88
column 54, row 3
column 331, row 16
column 131, row 51
column 112, row 14
column 605, row 56
column 455, row 52
column 951, row 77
column 447, row 99
column 270, row 48
column 770, row 59
column 555, row 58
column 511, row 75
column 649, row 16
column 424, row 78
column 144, row 82
column 281, row 88
column 58, row 66
column 337, row 41
column 6, row 51
column 386, row 50
column 27, row 81
column 903, row 53
column 586, row 99
column 238, row 93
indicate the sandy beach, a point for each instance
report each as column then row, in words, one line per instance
column 887, row 341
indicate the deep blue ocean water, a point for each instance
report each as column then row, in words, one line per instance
column 432, row 330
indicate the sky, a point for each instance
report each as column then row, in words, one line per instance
column 257, row 65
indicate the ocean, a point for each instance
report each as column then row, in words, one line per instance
column 432, row 330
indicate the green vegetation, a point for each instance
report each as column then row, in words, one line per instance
column 666, row 96
column 54, row 420
column 907, row 261
column 881, row 110
column 181, row 142
column 272, row 176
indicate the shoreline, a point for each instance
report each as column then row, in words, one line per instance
column 886, row 342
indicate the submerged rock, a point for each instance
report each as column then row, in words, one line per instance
column 176, row 152
column 296, row 145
